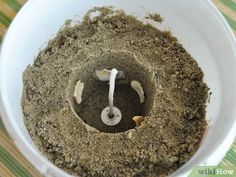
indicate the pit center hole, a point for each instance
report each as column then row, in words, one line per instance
column 126, row 99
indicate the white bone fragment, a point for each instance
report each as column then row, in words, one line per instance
column 139, row 89
column 104, row 75
column 79, row 87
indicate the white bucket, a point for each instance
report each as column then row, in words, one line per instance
column 198, row 26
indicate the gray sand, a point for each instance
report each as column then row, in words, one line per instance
column 73, row 137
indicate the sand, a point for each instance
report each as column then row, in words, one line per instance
column 72, row 135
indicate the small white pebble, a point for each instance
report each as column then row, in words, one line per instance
column 129, row 135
